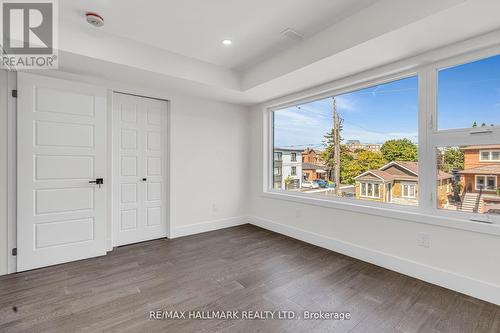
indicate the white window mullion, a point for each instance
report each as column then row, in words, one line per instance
column 427, row 87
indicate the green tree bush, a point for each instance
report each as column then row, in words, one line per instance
column 399, row 150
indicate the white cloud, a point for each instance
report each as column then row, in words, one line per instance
column 376, row 137
column 292, row 115
column 345, row 103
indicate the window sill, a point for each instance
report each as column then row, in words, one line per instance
column 410, row 213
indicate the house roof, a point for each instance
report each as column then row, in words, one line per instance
column 309, row 150
column 410, row 172
column 481, row 147
column 311, row 166
column 412, row 167
column 492, row 169
column 277, row 149
column 380, row 174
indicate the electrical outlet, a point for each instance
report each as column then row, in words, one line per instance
column 423, row 240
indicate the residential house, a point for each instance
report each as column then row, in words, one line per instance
column 287, row 164
column 397, row 182
column 313, row 166
column 480, row 178
column 354, row 145
column 373, row 147
column 313, row 156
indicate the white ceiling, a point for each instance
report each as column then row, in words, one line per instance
column 175, row 45
column 195, row 28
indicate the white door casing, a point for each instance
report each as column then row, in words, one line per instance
column 61, row 138
column 139, row 175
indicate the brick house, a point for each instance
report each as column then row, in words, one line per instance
column 312, row 166
column 481, row 168
column 397, row 182
column 480, row 178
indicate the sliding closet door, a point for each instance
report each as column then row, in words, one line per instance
column 139, row 193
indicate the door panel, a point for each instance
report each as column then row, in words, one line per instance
column 139, row 144
column 61, row 147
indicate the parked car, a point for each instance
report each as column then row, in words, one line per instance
column 321, row 183
column 309, row 184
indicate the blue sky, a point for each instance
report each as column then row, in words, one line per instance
column 467, row 93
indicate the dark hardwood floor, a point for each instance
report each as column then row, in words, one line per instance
column 242, row 268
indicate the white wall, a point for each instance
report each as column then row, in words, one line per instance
column 466, row 261
column 210, row 154
column 209, row 160
column 3, row 173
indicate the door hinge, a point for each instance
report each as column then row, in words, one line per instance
column 14, row 251
column 14, row 93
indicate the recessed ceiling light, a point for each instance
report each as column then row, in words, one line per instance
column 227, row 42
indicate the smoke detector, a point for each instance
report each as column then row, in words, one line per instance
column 94, row 19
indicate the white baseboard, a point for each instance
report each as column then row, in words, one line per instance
column 197, row 228
column 109, row 245
column 463, row 284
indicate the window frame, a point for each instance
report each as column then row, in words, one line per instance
column 490, row 155
column 403, row 185
column 293, row 171
column 430, row 138
column 293, row 157
column 476, row 177
column 365, row 195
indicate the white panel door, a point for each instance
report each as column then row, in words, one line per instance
column 139, row 193
column 61, row 148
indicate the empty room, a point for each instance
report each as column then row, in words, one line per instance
column 250, row 166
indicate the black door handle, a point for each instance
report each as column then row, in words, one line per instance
column 144, row 179
column 97, row 181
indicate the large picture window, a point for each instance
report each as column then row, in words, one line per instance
column 360, row 145
column 366, row 145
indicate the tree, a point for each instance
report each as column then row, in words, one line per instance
column 363, row 161
column 288, row 182
column 399, row 150
column 328, row 154
column 453, row 159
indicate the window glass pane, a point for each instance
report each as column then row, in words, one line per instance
column 372, row 131
column 464, row 182
column 464, row 90
column 412, row 191
column 491, row 182
column 479, row 182
column 495, row 155
column 485, row 155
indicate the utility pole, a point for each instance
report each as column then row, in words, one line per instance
column 336, row 145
